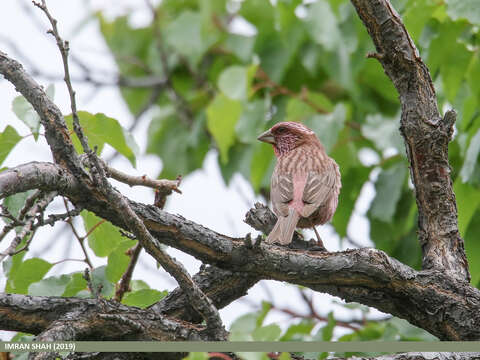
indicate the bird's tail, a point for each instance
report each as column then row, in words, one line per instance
column 282, row 232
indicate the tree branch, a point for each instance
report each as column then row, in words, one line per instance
column 426, row 137
column 39, row 206
column 37, row 175
column 56, row 318
column 432, row 300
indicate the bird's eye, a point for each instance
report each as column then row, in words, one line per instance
column 281, row 130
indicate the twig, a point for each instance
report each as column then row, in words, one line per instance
column 53, row 218
column 63, row 47
column 80, row 239
column 14, row 222
column 91, row 286
column 41, row 204
column 143, row 180
column 124, row 285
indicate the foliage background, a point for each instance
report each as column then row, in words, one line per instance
column 232, row 69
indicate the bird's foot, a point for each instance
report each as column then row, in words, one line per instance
column 252, row 245
column 310, row 245
column 316, row 245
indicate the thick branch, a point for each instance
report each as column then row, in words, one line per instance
column 56, row 318
column 426, row 137
column 220, row 285
column 37, row 175
column 432, row 300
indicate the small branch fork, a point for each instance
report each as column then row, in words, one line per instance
column 34, row 205
column 164, row 185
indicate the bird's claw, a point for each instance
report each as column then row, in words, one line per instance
column 248, row 241
column 253, row 245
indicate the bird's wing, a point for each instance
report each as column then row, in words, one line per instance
column 281, row 193
column 319, row 187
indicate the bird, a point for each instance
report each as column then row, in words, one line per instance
column 305, row 183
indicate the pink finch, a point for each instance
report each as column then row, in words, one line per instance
column 305, row 183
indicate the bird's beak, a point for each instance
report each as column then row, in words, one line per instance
column 267, row 137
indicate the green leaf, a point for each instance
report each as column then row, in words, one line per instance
column 251, row 122
column 104, row 238
column 8, row 139
column 353, row 180
column 10, row 268
column 323, row 25
column 99, row 278
column 473, row 74
column 184, row 35
column 409, row 332
column 29, row 271
column 468, row 200
column 416, row 16
column 262, row 314
column 222, row 117
column 464, row 9
column 327, row 127
column 132, row 47
column 25, row 112
column 143, row 298
column 300, row 109
column 383, row 132
column 241, row 46
column 14, row 203
column 267, row 333
column 243, row 327
column 388, row 189
column 183, row 152
column 398, row 237
column 298, row 332
column 100, row 130
column 252, row 355
column 139, row 285
column 452, row 76
column 373, row 76
column 277, row 53
column 471, row 157
column 51, row 286
column 118, row 260
column 77, row 283
column 234, row 82
column 197, row 356
column 262, row 165
column 327, row 330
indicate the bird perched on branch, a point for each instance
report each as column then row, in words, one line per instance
column 305, row 183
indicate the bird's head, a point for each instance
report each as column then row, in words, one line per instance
column 286, row 136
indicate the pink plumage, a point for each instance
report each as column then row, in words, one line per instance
column 305, row 183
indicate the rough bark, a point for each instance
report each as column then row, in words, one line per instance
column 426, row 136
column 57, row 319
